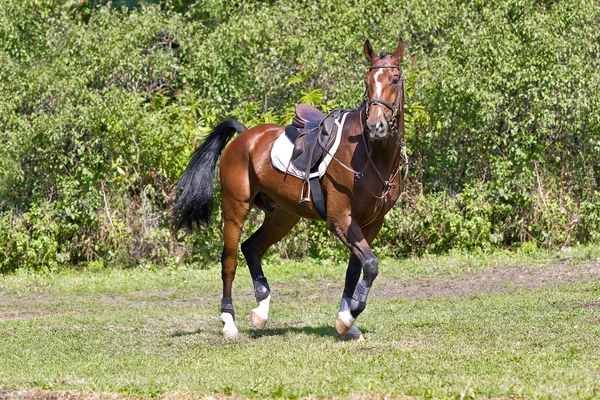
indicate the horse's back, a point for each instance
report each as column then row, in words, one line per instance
column 247, row 170
column 247, row 157
column 252, row 145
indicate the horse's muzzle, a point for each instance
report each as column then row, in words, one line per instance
column 378, row 130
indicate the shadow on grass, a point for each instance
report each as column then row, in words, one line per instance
column 324, row 331
column 185, row 333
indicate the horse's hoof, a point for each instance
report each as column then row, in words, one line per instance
column 343, row 322
column 229, row 331
column 354, row 334
column 230, row 334
column 257, row 320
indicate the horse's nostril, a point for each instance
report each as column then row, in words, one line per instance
column 379, row 126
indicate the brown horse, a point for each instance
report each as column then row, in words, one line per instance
column 359, row 189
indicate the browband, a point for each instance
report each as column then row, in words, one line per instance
column 385, row 66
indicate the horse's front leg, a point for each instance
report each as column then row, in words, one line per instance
column 352, row 277
column 354, row 303
column 354, row 299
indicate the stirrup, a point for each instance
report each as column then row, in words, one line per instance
column 305, row 199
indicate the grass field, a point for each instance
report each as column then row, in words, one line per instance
column 507, row 325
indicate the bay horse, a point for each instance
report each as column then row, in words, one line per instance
column 359, row 188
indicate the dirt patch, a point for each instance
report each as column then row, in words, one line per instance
column 216, row 396
column 143, row 301
column 26, row 315
column 34, row 394
column 155, row 293
column 591, row 305
column 137, row 300
column 188, row 303
column 15, row 300
column 366, row 396
column 575, row 304
column 497, row 280
column 68, row 395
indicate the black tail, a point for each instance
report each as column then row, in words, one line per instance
column 195, row 187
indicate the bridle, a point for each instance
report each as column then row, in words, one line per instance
column 388, row 184
column 395, row 108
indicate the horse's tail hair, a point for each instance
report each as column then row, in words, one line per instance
column 195, row 187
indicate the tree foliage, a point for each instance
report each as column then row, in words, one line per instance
column 102, row 103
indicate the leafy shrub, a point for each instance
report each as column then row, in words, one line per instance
column 100, row 107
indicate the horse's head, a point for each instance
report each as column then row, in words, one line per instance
column 385, row 85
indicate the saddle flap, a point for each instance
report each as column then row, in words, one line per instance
column 328, row 125
column 283, row 147
column 292, row 132
column 310, row 146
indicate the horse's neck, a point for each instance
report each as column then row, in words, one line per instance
column 386, row 154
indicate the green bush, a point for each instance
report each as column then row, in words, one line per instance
column 101, row 106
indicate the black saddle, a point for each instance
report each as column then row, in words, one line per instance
column 313, row 135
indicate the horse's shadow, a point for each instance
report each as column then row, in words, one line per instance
column 322, row 331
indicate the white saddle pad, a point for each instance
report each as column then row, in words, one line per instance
column 281, row 153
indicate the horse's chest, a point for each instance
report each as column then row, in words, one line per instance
column 375, row 206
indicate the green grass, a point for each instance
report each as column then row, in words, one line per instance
column 147, row 333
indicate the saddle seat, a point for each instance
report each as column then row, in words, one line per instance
column 313, row 134
column 306, row 113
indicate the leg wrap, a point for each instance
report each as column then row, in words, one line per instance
column 360, row 294
column 360, row 308
column 261, row 288
column 227, row 306
column 359, row 298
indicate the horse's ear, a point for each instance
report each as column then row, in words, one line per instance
column 369, row 52
column 399, row 52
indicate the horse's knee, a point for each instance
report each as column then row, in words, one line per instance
column 370, row 270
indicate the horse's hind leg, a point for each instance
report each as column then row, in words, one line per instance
column 234, row 215
column 276, row 225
